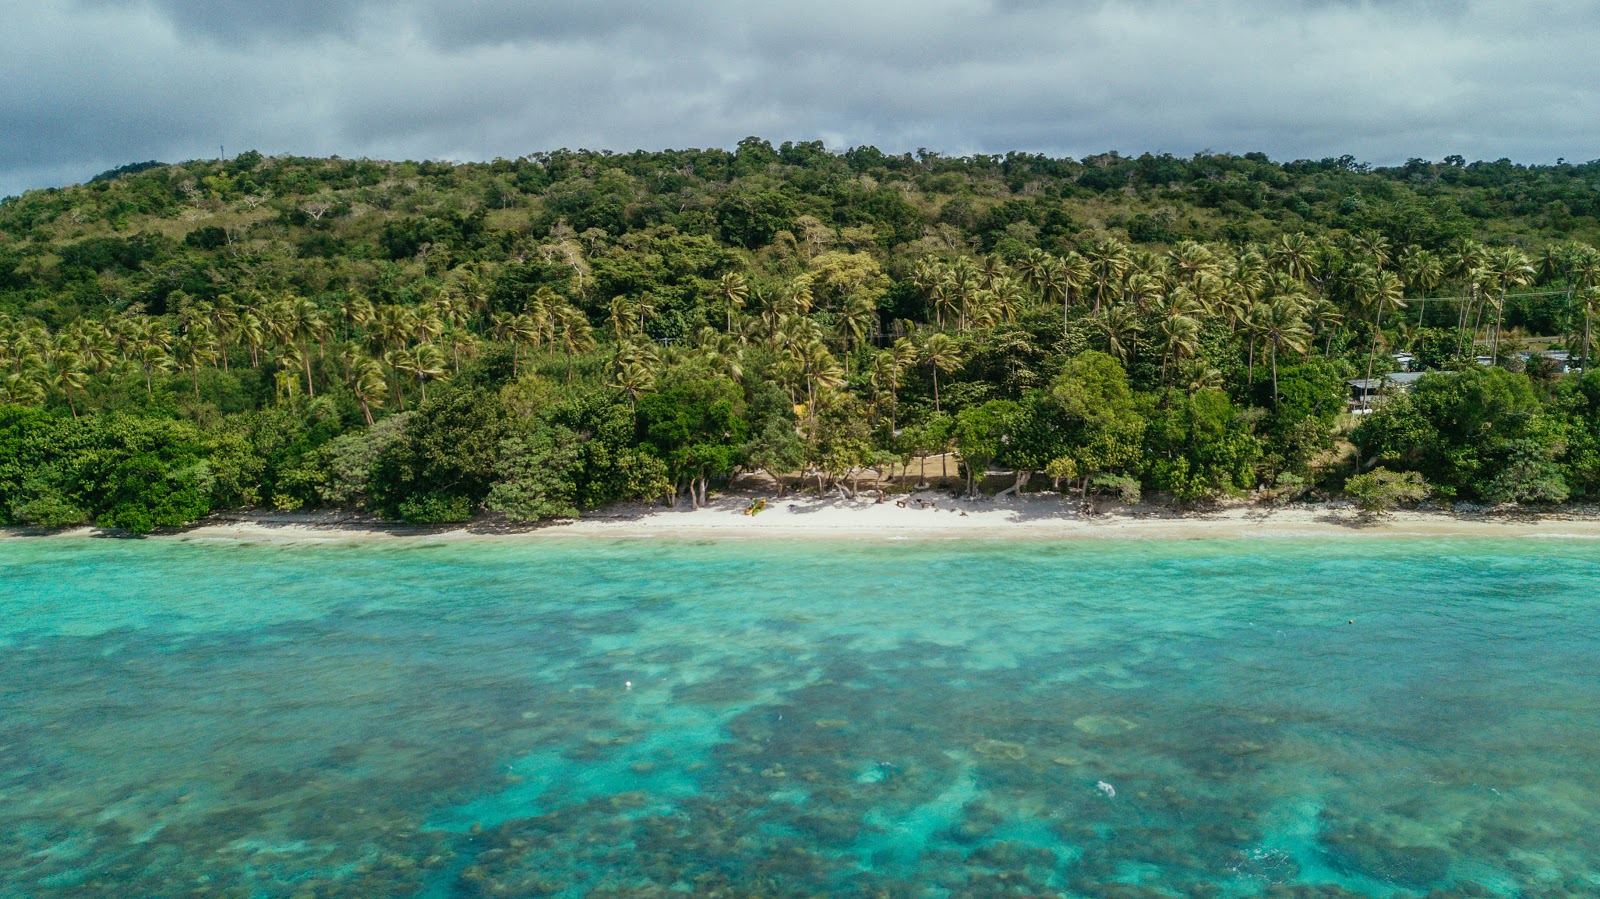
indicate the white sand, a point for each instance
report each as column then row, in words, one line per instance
column 1032, row 517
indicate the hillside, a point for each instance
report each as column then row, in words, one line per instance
column 540, row 336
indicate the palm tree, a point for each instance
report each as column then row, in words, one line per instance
column 423, row 362
column 65, row 370
column 1191, row 259
column 1422, row 272
column 1108, row 264
column 634, row 379
column 886, row 373
column 1372, row 245
column 304, row 322
column 1382, row 291
column 1585, row 275
column 1509, row 267
column 149, row 343
column 623, row 314
column 857, row 320
column 253, row 334
column 942, row 353
column 734, row 291
column 1283, row 327
column 369, row 385
column 573, row 330
column 721, row 352
column 1121, row 328
column 192, row 352
column 1589, row 301
column 1291, row 253
column 1180, row 336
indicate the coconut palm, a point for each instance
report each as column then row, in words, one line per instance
column 1283, row 327
column 1422, row 271
column 634, row 378
column 734, row 291
column 1589, row 303
column 424, row 362
column 1509, row 267
column 1291, row 254
column 65, row 370
column 369, row 385
column 1121, row 327
column 192, row 352
column 1180, row 339
column 1109, row 262
column 302, row 322
column 1383, row 292
column 857, row 320
column 573, row 331
column 942, row 353
column 886, row 374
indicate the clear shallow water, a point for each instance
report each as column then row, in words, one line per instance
column 896, row 718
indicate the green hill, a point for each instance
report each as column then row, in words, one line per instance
column 535, row 337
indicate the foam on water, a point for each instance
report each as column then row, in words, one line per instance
column 909, row 717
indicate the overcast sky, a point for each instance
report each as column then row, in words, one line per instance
column 87, row 85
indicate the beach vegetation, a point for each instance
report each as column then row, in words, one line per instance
column 539, row 337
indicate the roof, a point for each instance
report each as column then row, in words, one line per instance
column 1402, row 378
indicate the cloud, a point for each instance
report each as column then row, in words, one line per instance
column 91, row 84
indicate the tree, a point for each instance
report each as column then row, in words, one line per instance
column 1509, row 267
column 734, row 291
column 1380, row 490
column 695, row 422
column 1283, row 329
column 1381, row 291
column 369, row 385
column 535, row 475
column 1101, row 430
column 981, row 433
column 942, row 353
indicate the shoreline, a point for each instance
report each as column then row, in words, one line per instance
column 941, row 517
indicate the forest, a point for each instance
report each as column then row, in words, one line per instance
column 432, row 342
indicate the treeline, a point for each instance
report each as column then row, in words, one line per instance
column 429, row 341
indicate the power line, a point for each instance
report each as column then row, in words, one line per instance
column 1509, row 296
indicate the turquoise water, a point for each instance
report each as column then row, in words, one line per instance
column 568, row 718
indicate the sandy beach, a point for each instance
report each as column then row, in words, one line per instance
column 926, row 515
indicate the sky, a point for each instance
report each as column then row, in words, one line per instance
column 88, row 85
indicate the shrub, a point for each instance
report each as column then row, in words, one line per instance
column 1380, row 489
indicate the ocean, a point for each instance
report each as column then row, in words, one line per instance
column 577, row 717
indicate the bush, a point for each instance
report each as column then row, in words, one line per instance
column 435, row 508
column 1380, row 489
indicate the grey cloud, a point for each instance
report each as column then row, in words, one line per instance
column 89, row 86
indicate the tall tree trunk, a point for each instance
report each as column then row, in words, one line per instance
column 1274, row 352
column 1377, row 329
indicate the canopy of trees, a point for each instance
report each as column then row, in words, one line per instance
column 534, row 337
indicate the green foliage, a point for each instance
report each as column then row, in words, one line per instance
column 536, row 476
column 1198, row 445
column 445, row 464
column 573, row 329
column 695, row 424
column 1478, row 432
column 981, row 433
column 118, row 472
column 1380, row 489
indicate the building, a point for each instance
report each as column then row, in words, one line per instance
column 1368, row 392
